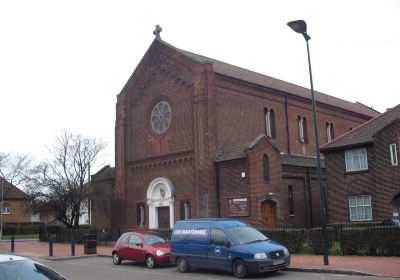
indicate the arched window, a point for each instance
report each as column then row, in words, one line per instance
column 140, row 213
column 290, row 200
column 185, row 209
column 329, row 131
column 272, row 123
column 302, row 125
column 269, row 116
column 266, row 168
column 332, row 131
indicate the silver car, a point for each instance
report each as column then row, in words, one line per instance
column 20, row 268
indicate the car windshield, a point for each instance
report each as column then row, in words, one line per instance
column 152, row 239
column 27, row 270
column 247, row 235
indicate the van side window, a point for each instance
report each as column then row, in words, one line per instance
column 218, row 237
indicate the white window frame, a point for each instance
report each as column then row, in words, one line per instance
column 6, row 211
column 356, row 159
column 360, row 208
column 328, row 132
column 393, row 154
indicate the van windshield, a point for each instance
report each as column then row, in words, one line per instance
column 247, row 235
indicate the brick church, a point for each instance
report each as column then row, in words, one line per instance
column 197, row 137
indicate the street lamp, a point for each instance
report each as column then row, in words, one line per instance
column 300, row 26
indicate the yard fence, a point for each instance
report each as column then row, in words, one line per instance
column 368, row 239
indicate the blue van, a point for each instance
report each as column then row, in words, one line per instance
column 225, row 244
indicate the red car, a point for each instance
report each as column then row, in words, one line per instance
column 143, row 246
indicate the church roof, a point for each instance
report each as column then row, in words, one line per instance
column 239, row 73
column 12, row 192
column 364, row 133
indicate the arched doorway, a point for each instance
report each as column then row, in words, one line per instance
column 160, row 199
column 268, row 214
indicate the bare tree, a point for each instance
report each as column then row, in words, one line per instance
column 59, row 186
column 15, row 168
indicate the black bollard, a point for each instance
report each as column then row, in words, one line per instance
column 50, row 246
column 12, row 244
column 73, row 247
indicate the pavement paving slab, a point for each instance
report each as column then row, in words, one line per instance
column 352, row 265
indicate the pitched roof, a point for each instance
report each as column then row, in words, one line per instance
column 106, row 172
column 239, row 73
column 12, row 192
column 304, row 161
column 364, row 133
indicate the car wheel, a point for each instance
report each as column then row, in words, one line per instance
column 150, row 262
column 239, row 269
column 116, row 258
column 183, row 265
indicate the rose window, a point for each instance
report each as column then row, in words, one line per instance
column 161, row 117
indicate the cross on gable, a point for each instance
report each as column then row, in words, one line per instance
column 157, row 31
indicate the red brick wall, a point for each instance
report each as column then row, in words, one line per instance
column 179, row 169
column 208, row 111
column 381, row 180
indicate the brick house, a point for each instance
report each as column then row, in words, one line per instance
column 101, row 200
column 197, row 137
column 15, row 204
column 363, row 171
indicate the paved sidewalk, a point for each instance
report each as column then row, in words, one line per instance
column 383, row 266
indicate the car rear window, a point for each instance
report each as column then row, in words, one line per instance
column 27, row 270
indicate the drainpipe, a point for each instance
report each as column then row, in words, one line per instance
column 287, row 125
column 217, row 191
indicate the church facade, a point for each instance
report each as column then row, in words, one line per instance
column 197, row 137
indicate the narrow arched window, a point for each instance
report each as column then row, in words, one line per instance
column 266, row 167
column 329, row 131
column 305, row 130
column 272, row 123
column 332, row 131
column 185, row 209
column 290, row 200
column 300, row 122
column 269, row 116
column 267, row 122
column 140, row 218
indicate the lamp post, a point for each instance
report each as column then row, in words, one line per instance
column 300, row 26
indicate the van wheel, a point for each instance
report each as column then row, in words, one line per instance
column 150, row 262
column 183, row 265
column 116, row 258
column 239, row 269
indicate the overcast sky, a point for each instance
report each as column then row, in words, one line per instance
column 62, row 63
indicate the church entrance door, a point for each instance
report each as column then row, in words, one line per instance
column 268, row 214
column 163, row 217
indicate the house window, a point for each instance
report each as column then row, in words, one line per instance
column 329, row 132
column 360, row 208
column 185, row 209
column 6, row 211
column 302, row 125
column 140, row 213
column 290, row 200
column 266, row 167
column 393, row 154
column 270, row 130
column 356, row 159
